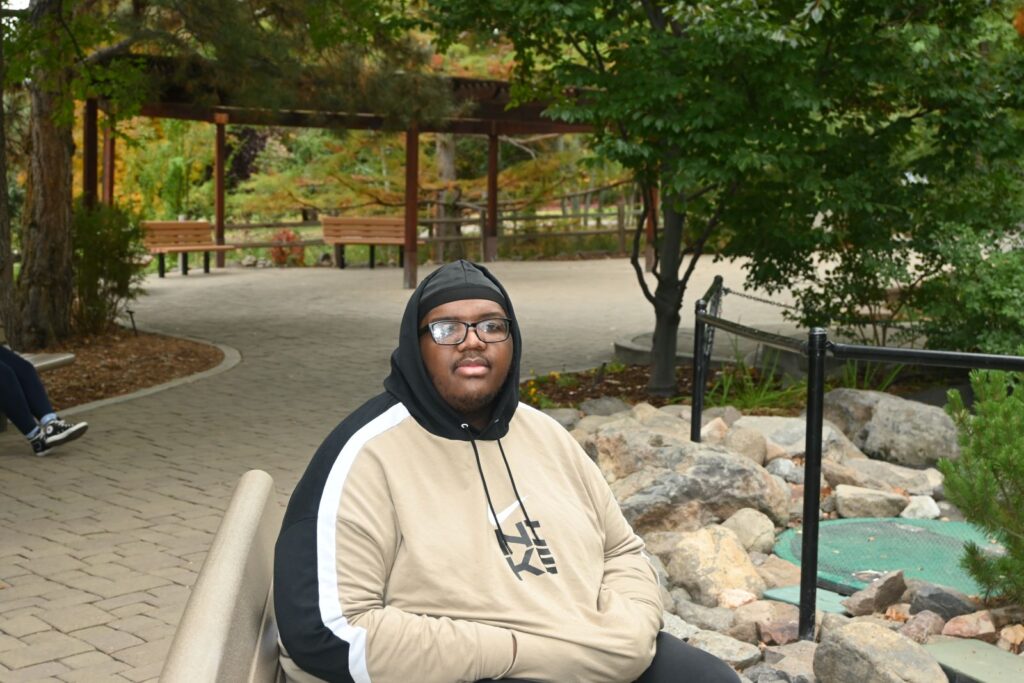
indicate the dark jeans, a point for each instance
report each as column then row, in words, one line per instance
column 675, row 662
column 22, row 396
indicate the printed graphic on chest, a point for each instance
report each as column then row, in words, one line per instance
column 526, row 551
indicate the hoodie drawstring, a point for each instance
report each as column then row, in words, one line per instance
column 529, row 522
column 502, row 543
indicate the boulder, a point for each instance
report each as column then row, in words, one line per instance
column 591, row 423
column 830, row 621
column 946, row 602
column 860, row 652
column 880, row 593
column 891, row 428
column 754, row 529
column 726, row 483
column 624, row 446
column 766, row 621
column 677, row 627
column 1011, row 638
column 567, row 417
column 976, row 625
column 1011, row 614
column 606, row 405
column 711, row 560
column 885, row 475
column 921, row 507
column 731, row 598
column 656, row 500
column 676, row 410
column 778, row 572
column 711, row 618
column 731, row 651
column 854, row 501
column 787, row 470
column 789, row 434
column 747, row 442
column 922, row 626
column 794, row 661
column 728, row 414
column 661, row 543
column 714, row 431
column 836, row 474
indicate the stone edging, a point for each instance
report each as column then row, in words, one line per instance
column 232, row 357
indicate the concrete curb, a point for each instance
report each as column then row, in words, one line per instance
column 232, row 357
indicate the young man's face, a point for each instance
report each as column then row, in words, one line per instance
column 468, row 375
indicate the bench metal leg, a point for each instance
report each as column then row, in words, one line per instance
column 161, row 265
column 206, row 262
column 372, row 255
column 339, row 255
column 183, row 261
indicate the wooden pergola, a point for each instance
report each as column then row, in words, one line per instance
column 483, row 108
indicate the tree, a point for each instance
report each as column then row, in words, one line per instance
column 830, row 142
column 344, row 56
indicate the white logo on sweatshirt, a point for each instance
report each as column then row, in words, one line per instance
column 503, row 515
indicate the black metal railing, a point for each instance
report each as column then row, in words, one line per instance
column 815, row 349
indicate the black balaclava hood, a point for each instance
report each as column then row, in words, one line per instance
column 409, row 381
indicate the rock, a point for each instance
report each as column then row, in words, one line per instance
column 921, row 507
column 731, row 598
column 830, row 621
column 922, row 625
column 936, row 480
column 656, row 500
column 828, row 504
column 625, row 446
column 882, row 592
column 773, row 450
column 661, row 543
column 899, row 612
column 765, row 620
column 854, row 501
column 891, row 428
column 785, row 468
column 678, row 411
column 794, row 661
column 727, row 413
column 836, row 474
column 777, row 572
column 606, row 405
column 1003, row 616
column 976, row 625
column 885, row 475
column 747, row 442
column 714, row 431
column 877, row 620
column 946, row 602
column 248, row 261
column 567, row 417
column 591, row 423
column 677, row 627
column 950, row 512
column 860, row 652
column 726, row 483
column 711, row 560
column 789, row 434
column 731, row 651
column 711, row 618
column 754, row 529
column 1011, row 638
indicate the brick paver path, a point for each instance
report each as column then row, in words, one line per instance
column 100, row 542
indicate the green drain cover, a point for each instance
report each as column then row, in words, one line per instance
column 851, row 552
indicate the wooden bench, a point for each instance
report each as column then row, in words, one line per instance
column 381, row 230
column 41, row 362
column 182, row 238
column 227, row 631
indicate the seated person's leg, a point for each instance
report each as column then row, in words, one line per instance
column 13, row 402
column 31, row 386
column 678, row 662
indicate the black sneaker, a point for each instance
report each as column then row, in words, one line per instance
column 39, row 445
column 59, row 432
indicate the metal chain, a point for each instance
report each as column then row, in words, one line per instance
column 743, row 295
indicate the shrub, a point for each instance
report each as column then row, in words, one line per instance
column 107, row 258
column 987, row 481
column 289, row 254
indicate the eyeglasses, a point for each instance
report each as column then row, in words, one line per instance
column 453, row 332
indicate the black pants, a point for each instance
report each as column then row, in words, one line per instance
column 675, row 662
column 22, row 396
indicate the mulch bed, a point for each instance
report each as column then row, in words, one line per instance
column 120, row 363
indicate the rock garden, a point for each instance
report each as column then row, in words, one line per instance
column 711, row 513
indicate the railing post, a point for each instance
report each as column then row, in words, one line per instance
column 816, row 345
column 700, row 371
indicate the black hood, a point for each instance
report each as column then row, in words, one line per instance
column 410, row 383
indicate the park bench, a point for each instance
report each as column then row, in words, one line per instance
column 382, row 230
column 182, row 238
column 41, row 362
column 227, row 631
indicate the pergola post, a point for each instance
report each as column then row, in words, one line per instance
column 651, row 231
column 220, row 120
column 108, row 163
column 412, row 178
column 90, row 156
column 491, row 228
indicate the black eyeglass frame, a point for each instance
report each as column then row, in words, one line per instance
column 466, row 327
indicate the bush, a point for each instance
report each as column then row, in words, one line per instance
column 978, row 307
column 107, row 258
column 289, row 254
column 987, row 481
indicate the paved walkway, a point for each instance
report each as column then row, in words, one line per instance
column 100, row 542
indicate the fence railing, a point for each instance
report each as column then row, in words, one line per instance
column 815, row 349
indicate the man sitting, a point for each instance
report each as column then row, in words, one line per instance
column 446, row 532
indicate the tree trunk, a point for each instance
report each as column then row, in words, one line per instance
column 667, row 298
column 449, row 196
column 45, row 283
column 6, row 260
